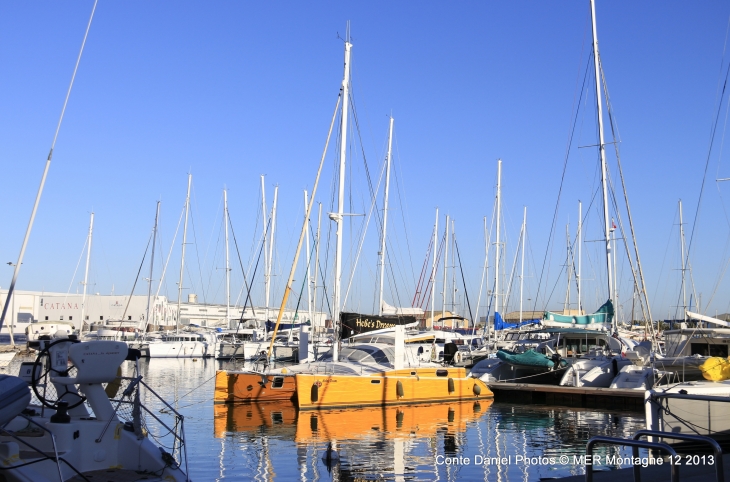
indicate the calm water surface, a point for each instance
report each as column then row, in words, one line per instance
column 276, row 442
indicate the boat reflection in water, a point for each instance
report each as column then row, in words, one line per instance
column 355, row 443
column 413, row 441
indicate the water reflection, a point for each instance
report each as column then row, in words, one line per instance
column 483, row 441
column 275, row 442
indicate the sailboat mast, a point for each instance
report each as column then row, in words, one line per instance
column 339, row 215
column 684, row 286
column 602, row 151
column 228, row 267
column 496, row 256
column 86, row 273
column 182, row 256
column 522, row 267
column 265, row 219
column 36, row 203
column 577, row 276
column 453, row 269
column 152, row 265
column 309, row 257
column 385, row 217
column 433, row 265
column 446, row 264
column 316, row 262
column 271, row 241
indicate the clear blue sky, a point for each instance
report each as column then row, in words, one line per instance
column 232, row 90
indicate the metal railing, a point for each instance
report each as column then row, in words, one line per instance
column 719, row 469
column 636, row 445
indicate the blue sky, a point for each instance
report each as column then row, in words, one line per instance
column 232, row 90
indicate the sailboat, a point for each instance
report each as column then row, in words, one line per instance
column 593, row 337
column 359, row 374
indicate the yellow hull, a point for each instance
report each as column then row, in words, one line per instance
column 394, row 387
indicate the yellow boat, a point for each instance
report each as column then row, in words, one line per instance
column 364, row 375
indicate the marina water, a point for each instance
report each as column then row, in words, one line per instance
column 448, row 441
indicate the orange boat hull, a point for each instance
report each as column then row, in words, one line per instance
column 253, row 387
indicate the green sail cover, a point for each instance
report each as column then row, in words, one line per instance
column 530, row 358
column 604, row 315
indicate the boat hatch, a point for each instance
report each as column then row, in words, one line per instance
column 278, row 382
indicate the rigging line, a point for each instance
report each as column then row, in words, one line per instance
column 423, row 271
column 404, row 210
column 637, row 285
column 164, row 270
column 197, row 254
column 562, row 180
column 614, row 132
column 68, row 292
column 129, row 300
column 243, row 271
column 707, row 164
column 512, row 274
column 362, row 239
column 463, row 280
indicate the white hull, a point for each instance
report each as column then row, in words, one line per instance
column 180, row 349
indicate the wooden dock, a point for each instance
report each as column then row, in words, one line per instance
column 586, row 397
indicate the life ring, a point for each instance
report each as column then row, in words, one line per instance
column 458, row 357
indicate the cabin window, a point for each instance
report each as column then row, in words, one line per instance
column 61, row 318
column 101, row 318
column 278, row 382
column 707, row 349
column 442, row 373
column 87, row 317
column 46, row 318
column 413, row 373
column 129, row 318
column 375, row 382
column 70, row 318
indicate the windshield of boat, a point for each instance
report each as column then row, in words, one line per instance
column 364, row 354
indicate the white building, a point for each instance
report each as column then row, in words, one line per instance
column 31, row 306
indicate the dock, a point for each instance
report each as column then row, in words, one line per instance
column 584, row 397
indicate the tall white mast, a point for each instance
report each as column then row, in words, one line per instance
column 265, row 217
column 228, row 267
column 602, row 151
column 385, row 217
column 152, row 265
column 681, row 240
column 580, row 243
column 182, row 256
column 19, row 262
column 433, row 265
column 522, row 268
column 309, row 257
column 338, row 216
column 271, row 246
column 568, row 269
column 446, row 267
column 453, row 269
column 86, row 274
column 496, row 256
column 316, row 262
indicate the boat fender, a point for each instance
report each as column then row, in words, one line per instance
column 399, row 389
column 457, row 357
column 477, row 390
column 314, row 396
column 451, row 385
